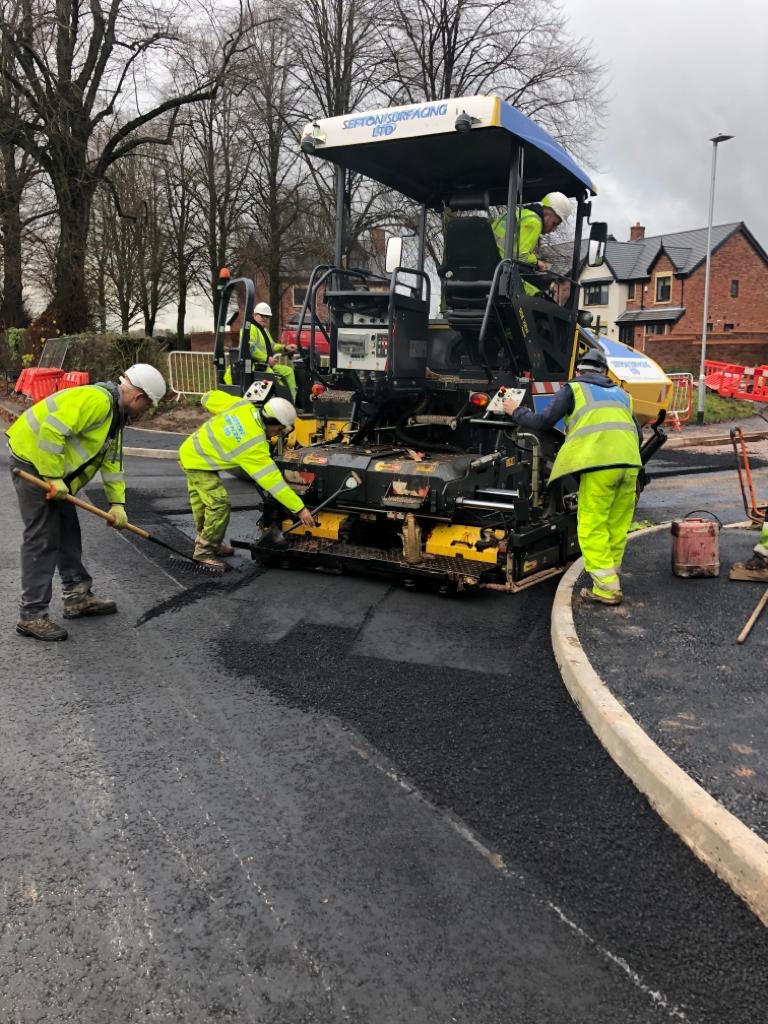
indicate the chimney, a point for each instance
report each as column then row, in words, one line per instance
column 637, row 230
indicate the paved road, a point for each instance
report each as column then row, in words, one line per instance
column 288, row 797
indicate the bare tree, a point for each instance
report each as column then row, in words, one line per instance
column 185, row 250
column 222, row 148
column 520, row 49
column 113, row 254
column 156, row 277
column 85, row 78
column 339, row 56
column 277, row 194
column 16, row 171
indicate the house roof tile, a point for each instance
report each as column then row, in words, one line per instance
column 645, row 316
column 686, row 249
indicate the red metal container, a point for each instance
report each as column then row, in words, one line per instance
column 696, row 546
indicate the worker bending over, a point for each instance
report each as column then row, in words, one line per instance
column 66, row 439
column 238, row 436
column 533, row 221
column 602, row 446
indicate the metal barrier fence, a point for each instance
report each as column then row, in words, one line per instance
column 679, row 411
column 191, row 373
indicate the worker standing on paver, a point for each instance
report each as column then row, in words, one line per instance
column 237, row 437
column 66, row 439
column 533, row 221
column 602, row 447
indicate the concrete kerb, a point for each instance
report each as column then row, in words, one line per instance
column 718, row 838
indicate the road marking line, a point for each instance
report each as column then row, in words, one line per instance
column 496, row 861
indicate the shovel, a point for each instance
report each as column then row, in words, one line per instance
column 275, row 537
column 107, row 517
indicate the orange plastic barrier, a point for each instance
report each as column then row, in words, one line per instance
column 38, row 382
column 74, row 379
column 44, row 383
column 731, row 380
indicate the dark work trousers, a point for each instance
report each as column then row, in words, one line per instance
column 51, row 541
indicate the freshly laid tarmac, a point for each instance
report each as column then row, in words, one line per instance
column 669, row 657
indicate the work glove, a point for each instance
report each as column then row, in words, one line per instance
column 119, row 516
column 58, row 489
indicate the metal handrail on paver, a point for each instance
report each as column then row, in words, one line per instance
column 191, row 373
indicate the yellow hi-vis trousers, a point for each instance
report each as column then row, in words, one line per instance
column 210, row 509
column 606, row 506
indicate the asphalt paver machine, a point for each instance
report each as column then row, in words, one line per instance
column 450, row 492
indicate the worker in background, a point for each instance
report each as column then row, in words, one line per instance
column 258, row 345
column 602, row 446
column 237, row 436
column 66, row 439
column 533, row 221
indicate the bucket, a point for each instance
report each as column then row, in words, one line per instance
column 696, row 545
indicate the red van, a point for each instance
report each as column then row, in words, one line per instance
column 288, row 336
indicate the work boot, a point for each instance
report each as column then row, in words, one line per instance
column 207, row 555
column 762, row 552
column 78, row 605
column 41, row 628
column 592, row 597
column 225, row 550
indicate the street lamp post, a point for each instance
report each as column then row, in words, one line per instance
column 702, row 387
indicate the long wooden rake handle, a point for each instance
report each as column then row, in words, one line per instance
column 32, row 479
column 753, row 618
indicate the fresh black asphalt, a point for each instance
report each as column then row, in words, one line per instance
column 702, row 696
column 292, row 797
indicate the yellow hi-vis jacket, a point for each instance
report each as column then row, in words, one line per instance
column 529, row 226
column 236, row 437
column 258, row 344
column 66, row 437
column 600, row 431
column 258, row 347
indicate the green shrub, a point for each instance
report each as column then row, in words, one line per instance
column 105, row 356
column 11, row 348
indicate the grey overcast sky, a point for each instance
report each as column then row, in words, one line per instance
column 679, row 72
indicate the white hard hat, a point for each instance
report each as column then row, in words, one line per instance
column 559, row 203
column 280, row 410
column 262, row 308
column 147, row 379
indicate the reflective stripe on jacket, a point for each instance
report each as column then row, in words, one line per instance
column 60, row 434
column 600, row 431
column 236, row 437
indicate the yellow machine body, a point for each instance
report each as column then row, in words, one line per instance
column 452, row 541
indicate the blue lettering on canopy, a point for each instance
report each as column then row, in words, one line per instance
column 386, row 123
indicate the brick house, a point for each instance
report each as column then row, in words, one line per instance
column 649, row 293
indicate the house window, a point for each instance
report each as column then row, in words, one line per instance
column 596, row 294
column 710, row 326
column 727, row 327
column 663, row 287
column 627, row 334
column 734, row 289
column 299, row 294
column 631, row 290
column 657, row 327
